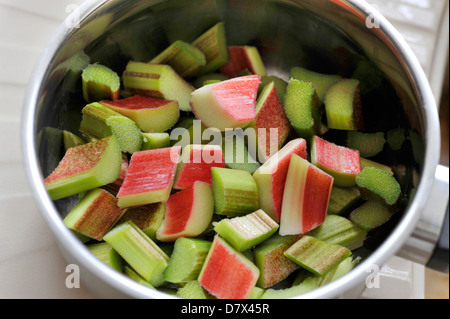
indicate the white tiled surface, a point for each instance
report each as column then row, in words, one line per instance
column 30, row 263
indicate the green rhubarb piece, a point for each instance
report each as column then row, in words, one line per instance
column 132, row 274
column 213, row 44
column 244, row 232
column 100, row 83
column 340, row 231
column 104, row 252
column 370, row 215
column 148, row 218
column 343, row 199
column 271, row 262
column 157, row 80
column 72, row 69
column 377, row 184
column 187, row 260
column 365, row 162
column 139, row 251
column 94, row 215
column 368, row 144
column 235, row 192
column 193, row 290
column 321, row 82
column 200, row 81
column 280, row 85
column 99, row 121
column 395, row 138
column 85, row 167
column 71, row 140
column 183, row 57
column 315, row 255
column 343, row 105
column 236, row 153
column 304, row 287
column 153, row 141
column 303, row 109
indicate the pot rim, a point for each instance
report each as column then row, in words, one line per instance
column 70, row 243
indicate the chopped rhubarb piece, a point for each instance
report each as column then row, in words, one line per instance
column 368, row 144
column 99, row 83
column 379, row 185
column 303, row 109
column 157, row 80
column 371, row 215
column 241, row 58
column 272, row 127
column 244, row 232
column 343, row 199
column 235, row 192
column 315, row 255
column 343, row 105
column 280, row 85
column 228, row 104
column 187, row 259
column 340, row 231
column 149, row 177
column 305, row 198
column 196, row 163
column 183, row 57
column 95, row 214
column 340, row 162
column 213, row 44
column 139, row 251
column 271, row 177
column 149, row 113
column 273, row 265
column 85, row 167
column 226, row 273
column 188, row 213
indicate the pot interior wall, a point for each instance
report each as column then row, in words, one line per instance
column 324, row 36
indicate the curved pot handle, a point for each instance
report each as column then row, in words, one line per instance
column 428, row 244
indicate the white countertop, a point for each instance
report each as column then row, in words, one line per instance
column 30, row 263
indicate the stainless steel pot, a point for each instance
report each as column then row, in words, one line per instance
column 328, row 36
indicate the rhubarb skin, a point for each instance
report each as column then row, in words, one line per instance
column 271, row 177
column 149, row 113
column 273, row 265
column 228, row 104
column 305, row 198
column 188, row 213
column 241, row 58
column 227, row 273
column 94, row 215
column 149, row 177
column 341, row 162
column 85, row 167
column 271, row 124
column 196, row 163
